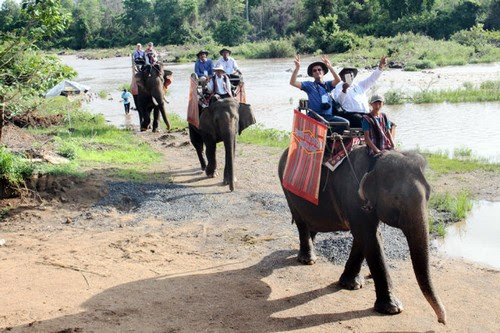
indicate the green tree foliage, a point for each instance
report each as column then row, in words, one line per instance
column 24, row 70
column 401, row 8
column 492, row 21
column 328, row 37
column 178, row 23
column 232, row 32
column 137, row 18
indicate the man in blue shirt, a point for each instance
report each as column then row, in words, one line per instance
column 318, row 91
column 203, row 66
column 126, row 96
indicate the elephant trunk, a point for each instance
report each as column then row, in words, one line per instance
column 418, row 242
column 229, row 146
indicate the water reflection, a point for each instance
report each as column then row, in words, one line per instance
column 477, row 238
column 428, row 126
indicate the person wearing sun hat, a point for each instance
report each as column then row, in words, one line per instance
column 227, row 62
column 203, row 66
column 352, row 96
column 318, row 91
column 219, row 85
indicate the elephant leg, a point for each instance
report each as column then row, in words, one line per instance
column 350, row 278
column 229, row 145
column 211, row 157
column 197, row 142
column 146, row 119
column 373, row 251
column 156, row 116
column 307, row 254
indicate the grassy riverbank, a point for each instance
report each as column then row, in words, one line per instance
column 487, row 91
column 410, row 51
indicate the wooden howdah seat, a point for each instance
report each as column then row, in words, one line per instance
column 349, row 132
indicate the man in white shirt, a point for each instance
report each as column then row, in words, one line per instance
column 228, row 63
column 219, row 84
column 352, row 96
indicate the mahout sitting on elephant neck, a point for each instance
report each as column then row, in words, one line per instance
column 398, row 192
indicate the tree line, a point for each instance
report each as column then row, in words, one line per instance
column 329, row 25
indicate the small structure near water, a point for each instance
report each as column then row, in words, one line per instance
column 67, row 88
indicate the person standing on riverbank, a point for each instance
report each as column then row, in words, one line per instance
column 318, row 91
column 352, row 96
column 126, row 96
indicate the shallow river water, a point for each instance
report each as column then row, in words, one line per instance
column 434, row 127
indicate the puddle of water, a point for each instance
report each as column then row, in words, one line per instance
column 476, row 238
column 431, row 126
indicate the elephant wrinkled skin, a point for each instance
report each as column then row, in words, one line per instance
column 398, row 194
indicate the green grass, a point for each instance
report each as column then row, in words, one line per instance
column 441, row 163
column 72, row 169
column 488, row 91
column 124, row 86
column 176, row 121
column 13, row 168
column 458, row 206
column 95, row 143
column 448, row 208
column 259, row 135
column 103, row 94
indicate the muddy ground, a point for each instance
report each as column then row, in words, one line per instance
column 183, row 254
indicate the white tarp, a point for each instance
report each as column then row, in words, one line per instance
column 67, row 87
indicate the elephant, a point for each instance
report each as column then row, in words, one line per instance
column 395, row 192
column 220, row 122
column 150, row 84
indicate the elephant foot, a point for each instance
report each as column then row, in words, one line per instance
column 155, row 130
column 307, row 258
column 351, row 283
column 143, row 129
column 390, row 306
column 203, row 167
column 211, row 174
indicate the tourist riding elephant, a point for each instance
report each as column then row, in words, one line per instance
column 150, row 84
column 220, row 122
column 394, row 192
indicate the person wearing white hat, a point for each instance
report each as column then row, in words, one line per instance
column 377, row 129
column 219, row 84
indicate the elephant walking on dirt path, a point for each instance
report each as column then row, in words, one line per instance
column 222, row 121
column 150, row 84
column 398, row 194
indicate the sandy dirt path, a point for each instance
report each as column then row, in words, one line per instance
column 223, row 262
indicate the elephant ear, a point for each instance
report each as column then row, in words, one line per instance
column 246, row 115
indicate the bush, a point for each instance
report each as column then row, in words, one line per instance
column 13, row 168
column 302, row 43
column 281, row 49
column 342, row 41
column 68, row 150
column 394, row 97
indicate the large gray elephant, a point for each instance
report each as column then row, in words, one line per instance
column 222, row 121
column 394, row 192
column 150, row 84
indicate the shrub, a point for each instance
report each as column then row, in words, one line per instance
column 394, row 97
column 68, row 150
column 13, row 168
column 281, row 49
column 302, row 43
